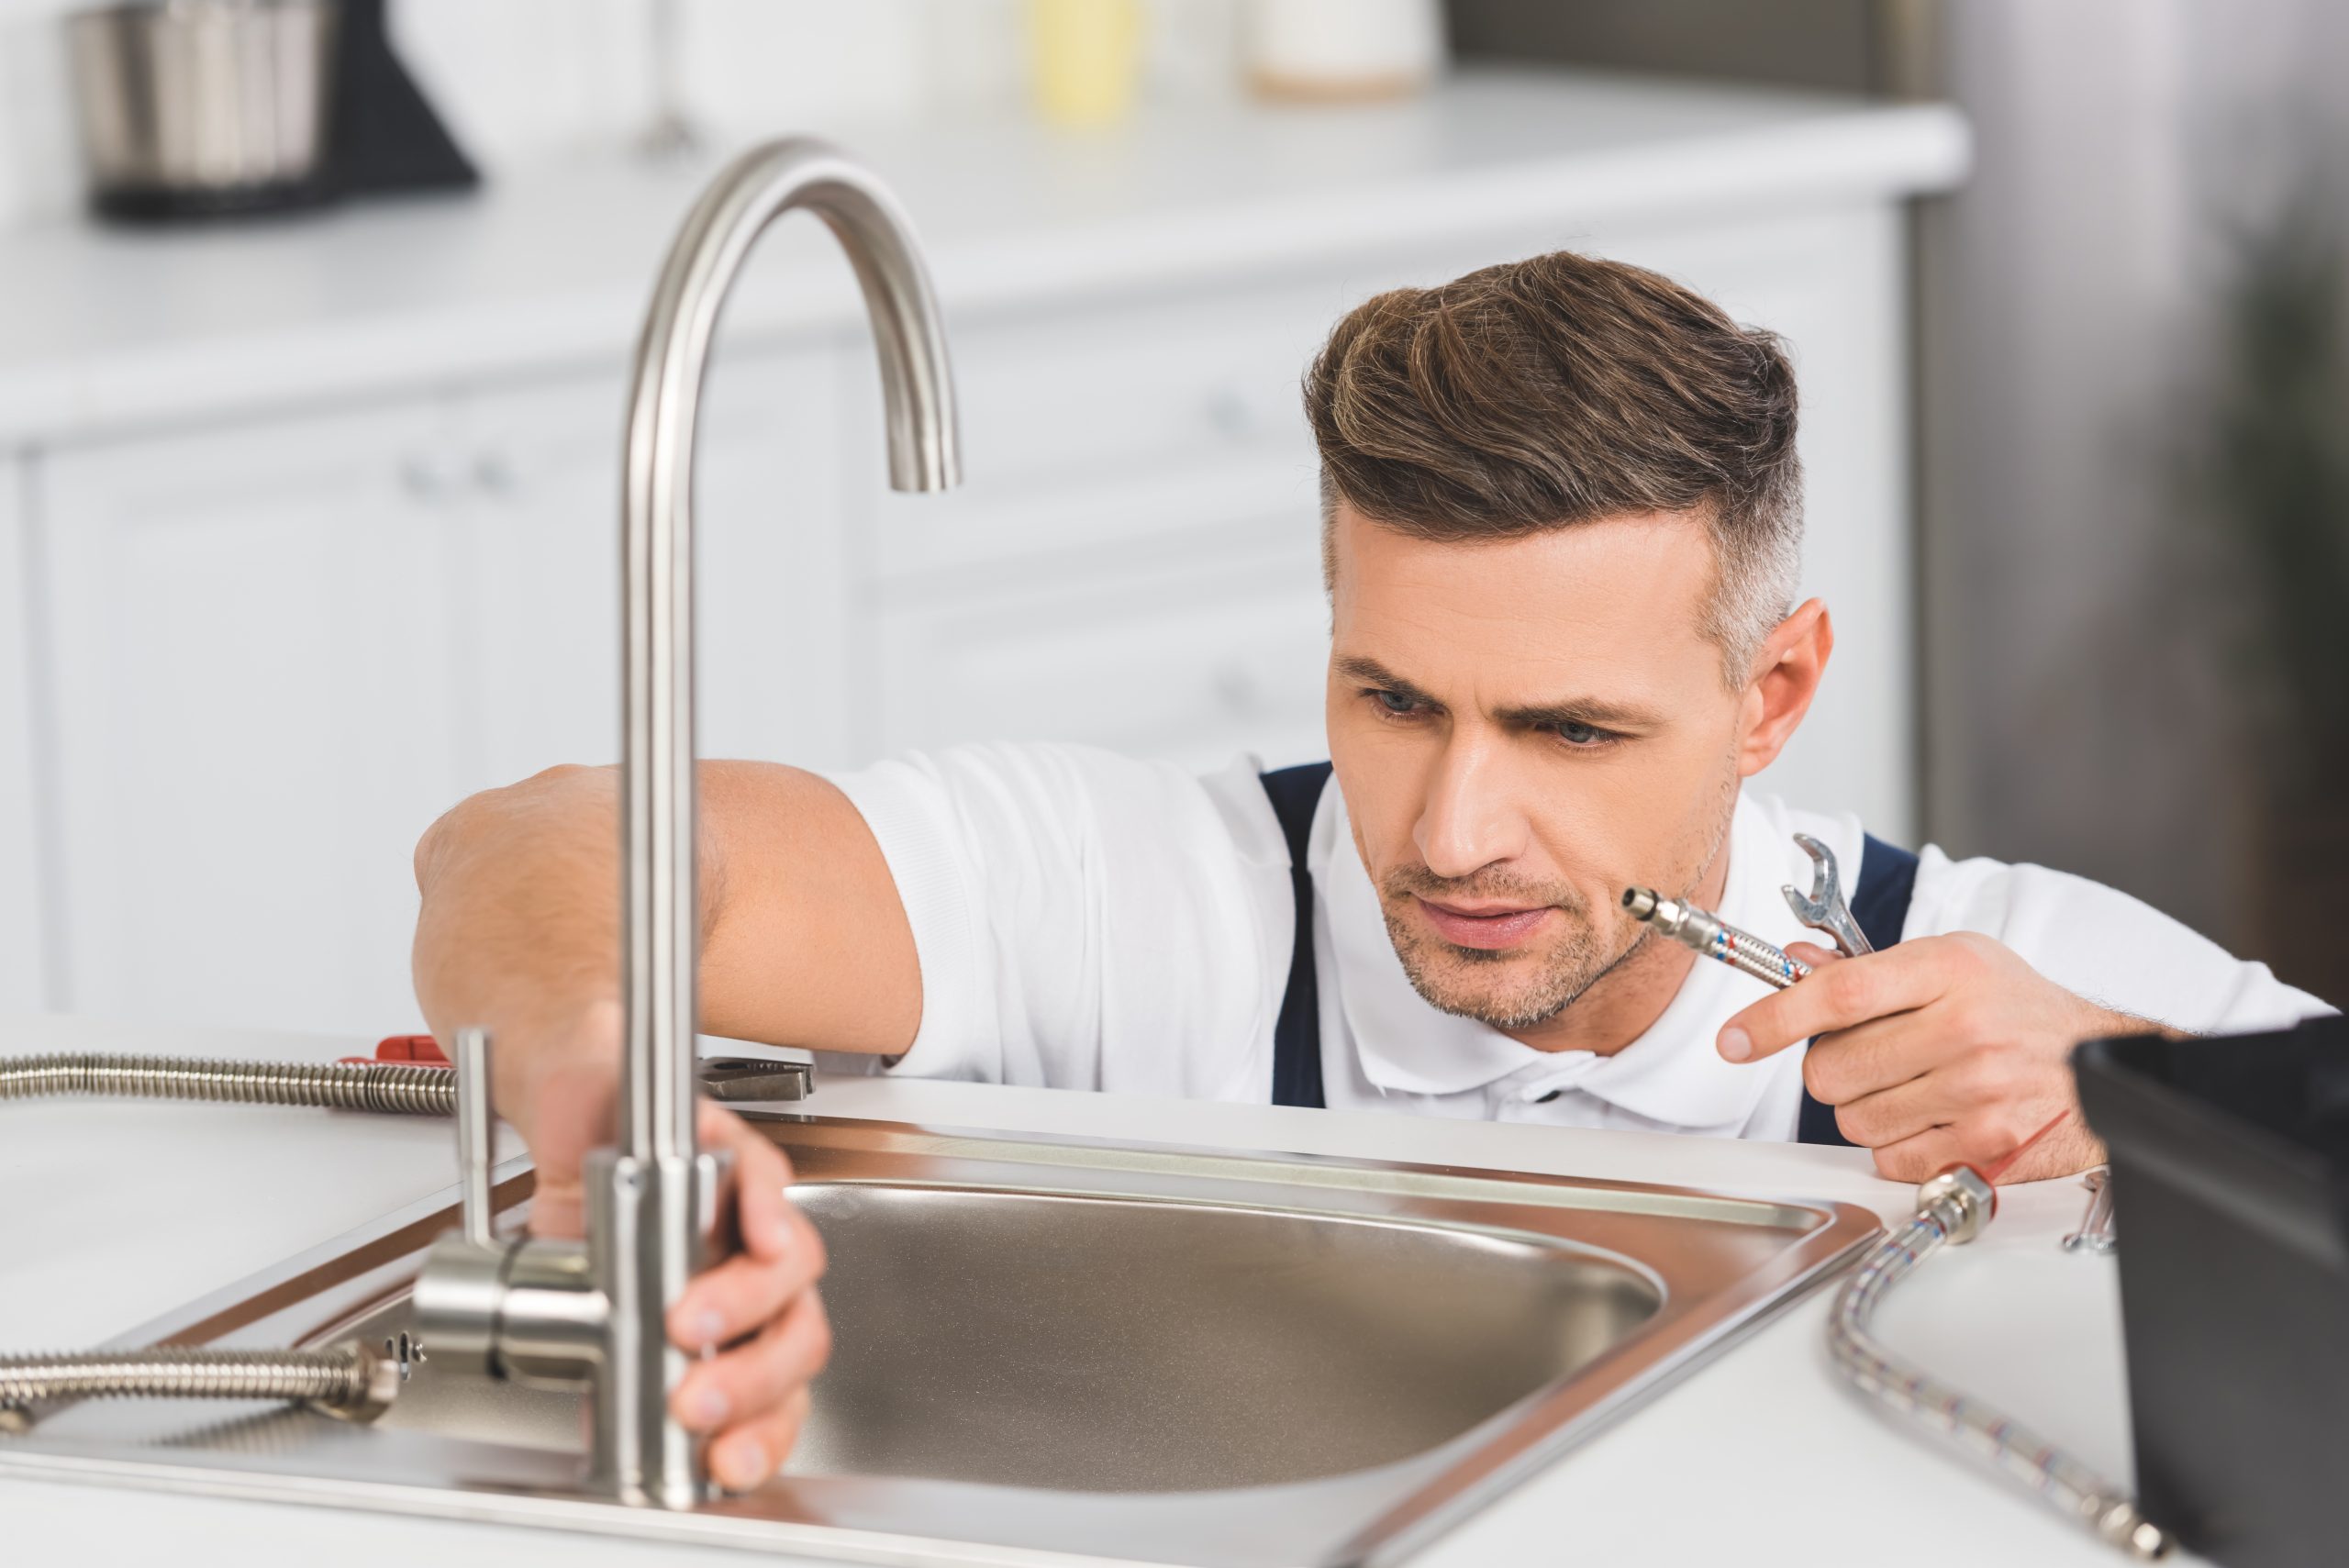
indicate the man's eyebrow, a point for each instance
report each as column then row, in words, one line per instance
column 1371, row 672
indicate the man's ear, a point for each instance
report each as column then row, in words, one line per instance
column 1784, row 678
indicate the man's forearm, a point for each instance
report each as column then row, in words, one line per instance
column 804, row 939
column 520, row 925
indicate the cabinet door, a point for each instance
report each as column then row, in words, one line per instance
column 256, row 694
column 541, row 558
column 23, row 948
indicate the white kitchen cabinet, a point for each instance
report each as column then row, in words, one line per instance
column 270, row 645
column 24, row 980
column 282, row 649
column 539, row 577
column 1125, row 454
column 256, row 674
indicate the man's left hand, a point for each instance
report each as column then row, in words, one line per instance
column 1937, row 1051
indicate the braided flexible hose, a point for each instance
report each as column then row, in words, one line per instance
column 402, row 1088
column 343, row 1380
column 1707, row 933
column 2006, row 1445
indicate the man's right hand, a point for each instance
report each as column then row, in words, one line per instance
column 755, row 1318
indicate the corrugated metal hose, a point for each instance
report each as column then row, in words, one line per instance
column 2064, row 1483
column 392, row 1087
column 351, row 1381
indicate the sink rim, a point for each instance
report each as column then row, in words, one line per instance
column 1717, row 1285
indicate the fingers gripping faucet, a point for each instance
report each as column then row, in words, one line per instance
column 553, row 1313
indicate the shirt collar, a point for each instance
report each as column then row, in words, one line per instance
column 1671, row 1073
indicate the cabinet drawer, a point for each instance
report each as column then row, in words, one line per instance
column 1153, row 415
column 1187, row 665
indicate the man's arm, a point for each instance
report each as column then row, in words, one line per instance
column 804, row 939
column 804, row 942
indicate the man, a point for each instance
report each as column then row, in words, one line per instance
column 1561, row 523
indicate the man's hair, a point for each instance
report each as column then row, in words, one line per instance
column 1560, row 390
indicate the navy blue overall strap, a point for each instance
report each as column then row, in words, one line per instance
column 1297, row 1033
column 1880, row 908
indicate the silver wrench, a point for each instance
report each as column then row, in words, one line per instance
column 2095, row 1234
column 1824, row 909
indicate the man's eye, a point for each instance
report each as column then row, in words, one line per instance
column 1576, row 733
column 1395, row 703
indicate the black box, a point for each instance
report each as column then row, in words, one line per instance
column 2230, row 1172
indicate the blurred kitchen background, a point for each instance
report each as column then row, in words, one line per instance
column 308, row 521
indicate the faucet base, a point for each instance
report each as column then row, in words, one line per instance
column 652, row 1224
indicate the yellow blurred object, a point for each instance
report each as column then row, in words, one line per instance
column 1087, row 57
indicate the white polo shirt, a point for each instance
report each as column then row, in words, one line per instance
column 1087, row 921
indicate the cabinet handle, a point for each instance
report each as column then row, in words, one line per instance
column 494, row 474
column 1237, row 688
column 1231, row 415
column 426, row 478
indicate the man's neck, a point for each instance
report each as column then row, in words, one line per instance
column 1625, row 1002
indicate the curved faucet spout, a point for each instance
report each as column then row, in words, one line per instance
column 655, row 1188
column 659, row 924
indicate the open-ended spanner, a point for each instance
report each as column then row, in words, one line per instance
column 1824, row 910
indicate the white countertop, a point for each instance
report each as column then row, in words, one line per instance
column 114, row 1212
column 104, row 331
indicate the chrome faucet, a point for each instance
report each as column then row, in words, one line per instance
column 593, row 1316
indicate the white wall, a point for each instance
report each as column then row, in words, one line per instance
column 524, row 81
column 2124, row 151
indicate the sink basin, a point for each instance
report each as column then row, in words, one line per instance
column 1052, row 1346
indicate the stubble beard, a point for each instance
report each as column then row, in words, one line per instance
column 1470, row 982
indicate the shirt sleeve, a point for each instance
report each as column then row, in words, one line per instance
column 1082, row 920
column 2102, row 944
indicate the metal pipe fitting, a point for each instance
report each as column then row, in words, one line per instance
column 1707, row 933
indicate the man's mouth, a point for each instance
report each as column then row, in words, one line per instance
column 1491, row 926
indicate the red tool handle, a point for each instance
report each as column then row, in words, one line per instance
column 417, row 1049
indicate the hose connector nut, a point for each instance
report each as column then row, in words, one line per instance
column 1962, row 1199
column 372, row 1391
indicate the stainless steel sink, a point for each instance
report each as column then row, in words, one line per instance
column 1056, row 1346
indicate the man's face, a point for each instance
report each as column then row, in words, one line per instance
column 1522, row 729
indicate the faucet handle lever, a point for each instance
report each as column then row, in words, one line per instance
column 476, row 1134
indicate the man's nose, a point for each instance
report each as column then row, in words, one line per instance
column 1468, row 820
